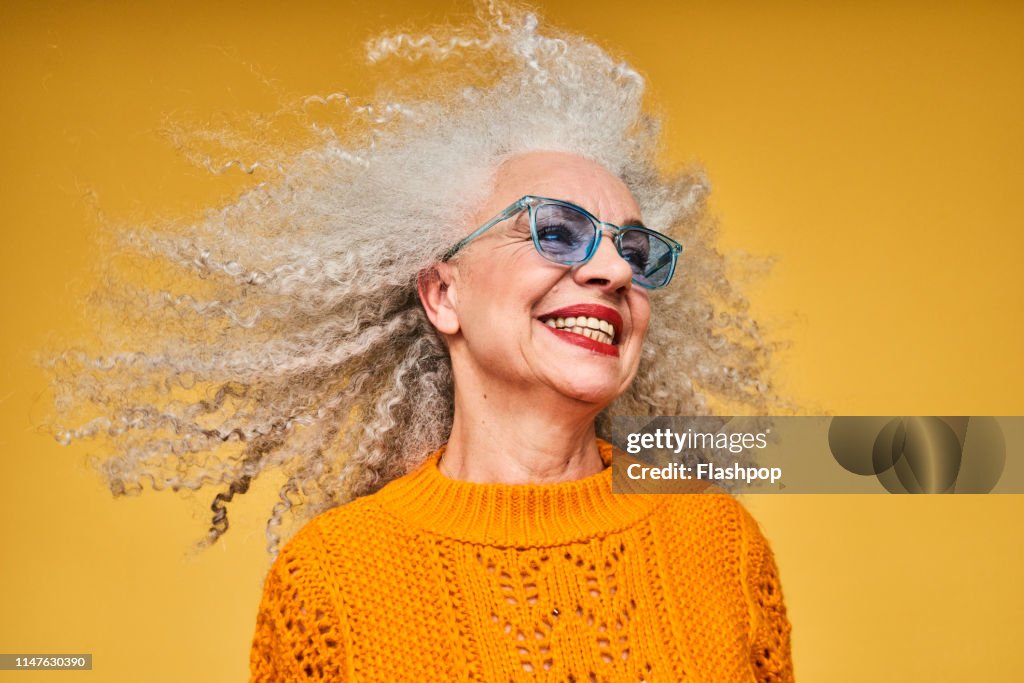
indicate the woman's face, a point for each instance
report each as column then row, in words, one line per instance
column 507, row 297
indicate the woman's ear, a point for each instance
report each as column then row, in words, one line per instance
column 437, row 294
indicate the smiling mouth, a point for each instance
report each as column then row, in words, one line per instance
column 592, row 328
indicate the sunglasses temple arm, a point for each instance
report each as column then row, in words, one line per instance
column 503, row 216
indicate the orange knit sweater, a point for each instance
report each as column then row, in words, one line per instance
column 431, row 579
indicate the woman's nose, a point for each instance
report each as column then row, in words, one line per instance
column 606, row 268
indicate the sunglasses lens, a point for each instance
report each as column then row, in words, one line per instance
column 564, row 235
column 651, row 258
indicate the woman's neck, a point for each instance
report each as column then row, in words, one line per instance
column 519, row 442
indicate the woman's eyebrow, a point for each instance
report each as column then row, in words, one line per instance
column 635, row 222
column 632, row 222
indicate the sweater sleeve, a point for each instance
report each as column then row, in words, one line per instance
column 770, row 655
column 298, row 628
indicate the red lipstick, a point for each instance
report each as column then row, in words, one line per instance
column 605, row 313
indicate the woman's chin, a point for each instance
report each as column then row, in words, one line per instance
column 598, row 393
column 578, row 373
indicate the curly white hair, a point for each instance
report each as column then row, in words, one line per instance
column 286, row 332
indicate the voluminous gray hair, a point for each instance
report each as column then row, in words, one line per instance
column 283, row 331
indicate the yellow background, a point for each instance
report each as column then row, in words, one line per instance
column 874, row 148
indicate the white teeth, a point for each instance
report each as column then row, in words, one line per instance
column 592, row 328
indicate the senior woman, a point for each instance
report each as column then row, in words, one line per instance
column 505, row 555
column 426, row 320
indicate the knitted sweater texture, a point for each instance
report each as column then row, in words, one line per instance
column 432, row 579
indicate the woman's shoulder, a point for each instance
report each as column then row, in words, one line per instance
column 712, row 507
column 340, row 535
column 695, row 507
column 712, row 530
column 345, row 524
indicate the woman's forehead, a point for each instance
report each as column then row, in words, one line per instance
column 565, row 176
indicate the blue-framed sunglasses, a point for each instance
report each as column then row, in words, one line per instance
column 569, row 235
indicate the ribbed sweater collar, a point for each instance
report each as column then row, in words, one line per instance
column 513, row 515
